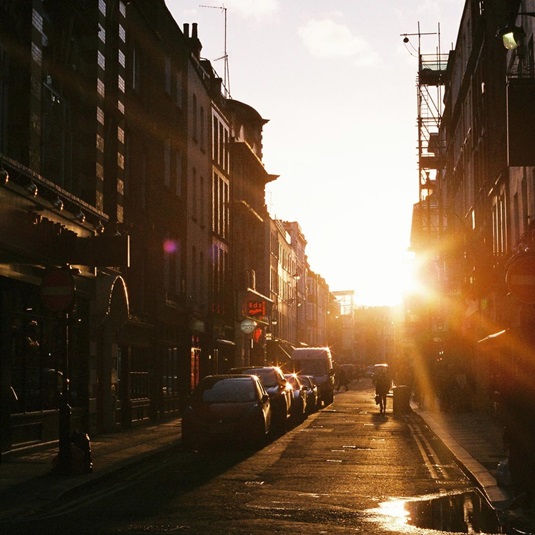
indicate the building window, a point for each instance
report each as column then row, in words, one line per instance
column 179, row 89
column 194, row 205
column 516, row 218
column 143, row 181
column 127, row 163
column 167, row 163
column 194, row 271
column 226, row 208
column 167, row 68
column 178, row 268
column 499, row 225
column 202, row 203
column 136, row 69
column 202, row 281
column 178, row 173
column 202, row 133
column 194, row 112
column 215, row 137
column 525, row 209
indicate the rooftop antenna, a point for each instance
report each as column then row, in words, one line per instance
column 226, row 74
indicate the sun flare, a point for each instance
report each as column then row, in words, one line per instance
column 389, row 282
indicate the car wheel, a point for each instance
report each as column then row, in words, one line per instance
column 259, row 437
column 187, row 437
column 282, row 421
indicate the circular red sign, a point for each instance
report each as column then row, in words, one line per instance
column 520, row 278
column 57, row 290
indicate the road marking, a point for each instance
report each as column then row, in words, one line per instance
column 428, row 454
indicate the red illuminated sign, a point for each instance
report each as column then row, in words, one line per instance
column 254, row 308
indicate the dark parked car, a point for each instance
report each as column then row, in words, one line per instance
column 279, row 390
column 229, row 408
column 313, row 395
column 299, row 400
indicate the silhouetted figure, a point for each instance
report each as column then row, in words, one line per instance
column 342, row 379
column 382, row 387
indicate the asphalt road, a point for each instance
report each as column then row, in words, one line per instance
column 346, row 469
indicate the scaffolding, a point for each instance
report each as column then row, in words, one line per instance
column 430, row 85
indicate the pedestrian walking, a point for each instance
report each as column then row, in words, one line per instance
column 342, row 379
column 382, row 387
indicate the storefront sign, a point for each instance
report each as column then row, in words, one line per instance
column 248, row 326
column 255, row 308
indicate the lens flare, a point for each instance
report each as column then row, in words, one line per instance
column 170, row 246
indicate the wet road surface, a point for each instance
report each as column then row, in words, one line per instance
column 347, row 469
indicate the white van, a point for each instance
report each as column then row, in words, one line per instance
column 318, row 362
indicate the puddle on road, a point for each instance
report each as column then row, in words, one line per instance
column 466, row 512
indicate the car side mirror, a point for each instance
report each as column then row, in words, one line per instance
column 265, row 398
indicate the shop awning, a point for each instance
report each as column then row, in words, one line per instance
column 224, row 342
column 496, row 337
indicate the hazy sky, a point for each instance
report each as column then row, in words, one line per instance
column 338, row 86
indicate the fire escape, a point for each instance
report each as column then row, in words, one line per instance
column 428, row 222
column 427, row 216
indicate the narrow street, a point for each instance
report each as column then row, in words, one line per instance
column 347, row 469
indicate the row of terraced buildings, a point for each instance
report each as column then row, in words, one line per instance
column 137, row 253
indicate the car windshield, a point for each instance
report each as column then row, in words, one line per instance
column 268, row 376
column 235, row 390
column 312, row 367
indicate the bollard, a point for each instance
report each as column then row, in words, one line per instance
column 83, row 443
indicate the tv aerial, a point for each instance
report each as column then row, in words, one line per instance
column 224, row 57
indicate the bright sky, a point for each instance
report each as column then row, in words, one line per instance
column 338, row 86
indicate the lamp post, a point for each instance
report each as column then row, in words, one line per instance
column 512, row 35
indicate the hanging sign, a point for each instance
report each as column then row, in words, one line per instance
column 248, row 326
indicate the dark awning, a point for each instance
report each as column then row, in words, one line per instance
column 224, row 342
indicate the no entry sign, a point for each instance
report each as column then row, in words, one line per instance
column 57, row 290
column 520, row 278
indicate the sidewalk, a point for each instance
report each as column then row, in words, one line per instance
column 27, row 483
column 475, row 440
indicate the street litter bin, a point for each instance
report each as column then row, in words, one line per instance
column 83, row 443
column 402, row 398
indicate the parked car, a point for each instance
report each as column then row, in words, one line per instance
column 299, row 399
column 368, row 373
column 312, row 393
column 316, row 361
column 229, row 408
column 279, row 390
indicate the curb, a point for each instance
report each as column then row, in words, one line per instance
column 497, row 496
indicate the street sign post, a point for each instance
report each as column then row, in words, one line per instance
column 57, row 294
column 57, row 290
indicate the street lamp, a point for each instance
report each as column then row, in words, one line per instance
column 511, row 35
